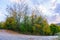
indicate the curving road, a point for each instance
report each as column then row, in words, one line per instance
column 6, row 35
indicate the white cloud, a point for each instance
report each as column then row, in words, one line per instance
column 18, row 1
column 42, row 8
column 1, row 17
column 28, row 2
column 14, row 1
column 45, row 10
column 53, row 4
column 52, row 1
column 55, row 19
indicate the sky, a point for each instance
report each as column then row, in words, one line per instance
column 49, row 8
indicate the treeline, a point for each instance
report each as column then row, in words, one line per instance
column 30, row 25
column 20, row 20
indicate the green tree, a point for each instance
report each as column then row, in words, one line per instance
column 54, row 29
column 10, row 23
column 1, row 25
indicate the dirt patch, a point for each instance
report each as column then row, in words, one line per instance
column 12, row 32
column 9, row 31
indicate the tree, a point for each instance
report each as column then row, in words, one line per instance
column 54, row 29
column 1, row 25
column 17, row 11
column 38, row 24
column 10, row 23
column 46, row 28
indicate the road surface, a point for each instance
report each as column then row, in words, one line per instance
column 9, row 35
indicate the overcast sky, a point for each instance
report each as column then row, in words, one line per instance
column 49, row 8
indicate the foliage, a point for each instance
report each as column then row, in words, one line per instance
column 54, row 29
column 10, row 23
column 1, row 25
column 39, row 27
